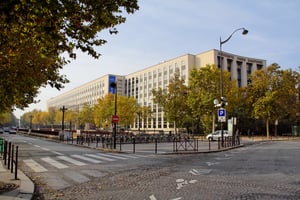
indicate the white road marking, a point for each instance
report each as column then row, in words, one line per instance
column 197, row 172
column 46, row 149
column 77, row 177
column 112, row 156
column 57, row 153
column 86, row 159
column 130, row 156
column 194, row 172
column 212, row 163
column 34, row 165
column 54, row 163
column 99, row 157
column 152, row 197
column 37, row 145
column 71, row 160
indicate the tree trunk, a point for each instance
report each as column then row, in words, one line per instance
column 213, row 122
column 267, row 128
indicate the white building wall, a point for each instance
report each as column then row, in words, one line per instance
column 140, row 84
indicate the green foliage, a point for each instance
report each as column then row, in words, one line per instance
column 105, row 109
column 7, row 119
column 271, row 94
column 173, row 101
column 34, row 36
column 204, row 88
column 86, row 115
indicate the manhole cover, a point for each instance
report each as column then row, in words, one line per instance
column 6, row 187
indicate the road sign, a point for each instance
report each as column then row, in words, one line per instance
column 221, row 115
column 115, row 119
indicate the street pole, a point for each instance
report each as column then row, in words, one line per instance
column 114, row 85
column 222, row 98
column 63, row 109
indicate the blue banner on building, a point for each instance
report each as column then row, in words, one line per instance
column 111, row 79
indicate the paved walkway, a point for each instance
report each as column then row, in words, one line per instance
column 22, row 188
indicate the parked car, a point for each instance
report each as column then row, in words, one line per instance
column 217, row 134
column 12, row 131
column 1, row 131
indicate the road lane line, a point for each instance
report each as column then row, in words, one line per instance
column 71, row 160
column 54, row 163
column 86, row 159
column 34, row 165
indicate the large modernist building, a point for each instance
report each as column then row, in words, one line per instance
column 139, row 84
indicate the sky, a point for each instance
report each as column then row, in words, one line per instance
column 162, row 30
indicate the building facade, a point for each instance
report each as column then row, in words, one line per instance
column 140, row 84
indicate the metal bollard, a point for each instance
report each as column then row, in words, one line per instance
column 9, row 153
column 16, row 163
column 12, row 159
column 5, row 152
column 133, row 145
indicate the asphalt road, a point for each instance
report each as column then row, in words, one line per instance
column 264, row 170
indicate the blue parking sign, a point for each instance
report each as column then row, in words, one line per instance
column 222, row 115
column 221, row 112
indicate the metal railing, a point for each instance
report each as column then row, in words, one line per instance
column 10, row 157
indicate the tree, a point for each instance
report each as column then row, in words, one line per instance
column 144, row 115
column 36, row 35
column 5, row 118
column 86, row 115
column 51, row 116
column 271, row 94
column 104, row 110
column 204, row 87
column 173, row 101
column 126, row 110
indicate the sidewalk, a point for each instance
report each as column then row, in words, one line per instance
column 22, row 188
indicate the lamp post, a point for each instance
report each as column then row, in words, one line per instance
column 63, row 109
column 222, row 98
column 114, row 85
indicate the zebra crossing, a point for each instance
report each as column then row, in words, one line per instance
column 61, row 161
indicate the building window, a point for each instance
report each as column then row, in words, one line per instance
column 229, row 64
column 259, row 67
column 239, row 73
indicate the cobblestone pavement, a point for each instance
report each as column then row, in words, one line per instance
column 268, row 171
column 189, row 179
column 158, row 183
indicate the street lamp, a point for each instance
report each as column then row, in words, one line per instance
column 222, row 98
column 114, row 85
column 63, row 109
